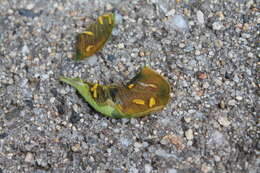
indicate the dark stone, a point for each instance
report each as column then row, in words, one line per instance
column 60, row 109
column 111, row 57
column 54, row 92
column 74, row 118
column 3, row 135
column 13, row 113
column 29, row 103
column 29, row 13
column 228, row 76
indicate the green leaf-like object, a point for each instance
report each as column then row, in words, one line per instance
column 95, row 36
column 145, row 93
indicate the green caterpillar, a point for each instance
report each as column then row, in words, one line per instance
column 145, row 93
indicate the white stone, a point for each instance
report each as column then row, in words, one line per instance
column 232, row 102
column 206, row 85
column 217, row 26
column 120, row 46
column 223, row 120
column 239, row 98
column 29, row 158
column 52, row 100
column 187, row 119
column 170, row 13
column 30, row 6
column 109, row 7
column 148, row 168
column 25, row 49
column 200, row 17
column 189, row 134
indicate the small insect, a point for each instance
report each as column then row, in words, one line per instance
column 145, row 93
column 95, row 36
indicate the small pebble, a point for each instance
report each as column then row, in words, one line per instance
column 181, row 45
column 141, row 53
column 52, row 100
column 121, row 46
column 205, row 168
column 111, row 57
column 148, row 168
column 217, row 158
column 239, row 98
column 206, row 85
column 220, row 15
column 75, row 147
column 109, row 7
column 28, row 13
column 118, row 18
column 25, row 49
column 232, row 102
column 29, row 158
column 170, row 13
column 125, row 142
column 200, row 17
column 217, row 26
column 222, row 104
column 178, row 22
column 219, row 43
column 92, row 60
column 30, row 6
column 187, row 119
column 223, row 120
column 172, row 170
column 201, row 75
column 3, row 135
column 189, row 134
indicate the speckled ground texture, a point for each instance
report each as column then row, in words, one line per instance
column 207, row 50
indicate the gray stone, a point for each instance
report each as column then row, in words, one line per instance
column 177, row 22
column 217, row 26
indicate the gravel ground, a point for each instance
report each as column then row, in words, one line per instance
column 207, row 49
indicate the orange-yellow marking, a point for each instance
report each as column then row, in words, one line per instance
column 138, row 101
column 109, row 18
column 151, row 102
column 119, row 106
column 88, row 33
column 94, row 87
column 152, row 85
column 130, row 86
column 95, row 93
column 89, row 48
column 100, row 20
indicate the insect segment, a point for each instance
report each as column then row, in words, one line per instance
column 95, row 36
column 145, row 93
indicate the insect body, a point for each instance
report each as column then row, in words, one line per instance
column 145, row 93
column 94, row 37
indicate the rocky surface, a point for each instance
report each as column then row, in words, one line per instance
column 208, row 51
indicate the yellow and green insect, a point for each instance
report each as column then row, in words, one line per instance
column 145, row 93
column 95, row 36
